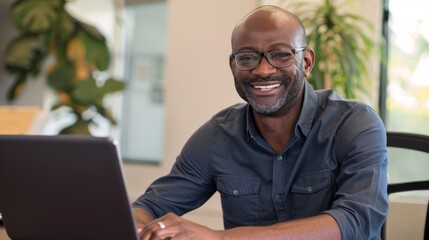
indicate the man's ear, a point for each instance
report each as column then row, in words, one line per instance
column 231, row 64
column 308, row 65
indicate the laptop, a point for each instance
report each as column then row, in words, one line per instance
column 63, row 187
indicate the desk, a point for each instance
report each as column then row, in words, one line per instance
column 20, row 120
column 3, row 235
column 407, row 215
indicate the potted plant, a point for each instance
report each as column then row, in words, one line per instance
column 72, row 54
column 341, row 43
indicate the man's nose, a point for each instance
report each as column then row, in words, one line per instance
column 264, row 68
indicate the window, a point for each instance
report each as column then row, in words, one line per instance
column 407, row 100
column 142, row 124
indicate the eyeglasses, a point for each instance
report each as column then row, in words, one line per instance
column 282, row 57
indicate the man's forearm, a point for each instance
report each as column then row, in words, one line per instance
column 322, row 227
column 141, row 216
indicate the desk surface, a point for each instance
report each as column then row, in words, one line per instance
column 3, row 235
column 407, row 215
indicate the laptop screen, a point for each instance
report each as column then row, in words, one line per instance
column 63, row 187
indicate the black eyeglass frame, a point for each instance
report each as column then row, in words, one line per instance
column 265, row 54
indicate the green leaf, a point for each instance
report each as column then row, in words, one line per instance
column 23, row 53
column 36, row 16
column 112, row 85
column 62, row 75
column 64, row 29
column 106, row 114
column 86, row 92
column 96, row 51
column 92, row 32
column 80, row 127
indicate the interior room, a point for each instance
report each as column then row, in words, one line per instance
column 173, row 58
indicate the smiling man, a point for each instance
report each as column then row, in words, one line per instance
column 291, row 163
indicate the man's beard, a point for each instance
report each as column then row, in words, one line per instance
column 266, row 109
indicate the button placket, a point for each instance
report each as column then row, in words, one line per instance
column 278, row 183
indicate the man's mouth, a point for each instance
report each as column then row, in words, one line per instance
column 266, row 87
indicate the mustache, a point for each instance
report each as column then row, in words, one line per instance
column 281, row 79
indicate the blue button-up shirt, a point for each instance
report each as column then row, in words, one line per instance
column 335, row 163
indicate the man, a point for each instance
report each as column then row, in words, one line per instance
column 291, row 164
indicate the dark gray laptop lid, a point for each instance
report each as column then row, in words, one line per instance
column 63, row 187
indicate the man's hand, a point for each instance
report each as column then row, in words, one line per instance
column 173, row 227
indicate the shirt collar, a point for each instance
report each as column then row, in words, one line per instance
column 306, row 116
column 308, row 110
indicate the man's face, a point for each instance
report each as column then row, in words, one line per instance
column 266, row 88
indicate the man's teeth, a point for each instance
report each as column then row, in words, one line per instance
column 267, row 87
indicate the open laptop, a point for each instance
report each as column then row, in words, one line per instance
column 63, row 187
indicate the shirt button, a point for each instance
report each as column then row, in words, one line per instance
column 235, row 192
column 277, row 197
column 280, row 157
column 309, row 189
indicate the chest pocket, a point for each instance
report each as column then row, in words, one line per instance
column 312, row 183
column 240, row 200
column 312, row 193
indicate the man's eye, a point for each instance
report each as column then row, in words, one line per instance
column 247, row 58
column 281, row 55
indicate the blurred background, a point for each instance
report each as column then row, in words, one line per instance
column 172, row 57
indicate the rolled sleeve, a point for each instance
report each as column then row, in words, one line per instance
column 361, row 204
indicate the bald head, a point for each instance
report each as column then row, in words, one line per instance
column 270, row 18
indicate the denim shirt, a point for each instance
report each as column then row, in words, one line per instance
column 335, row 163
